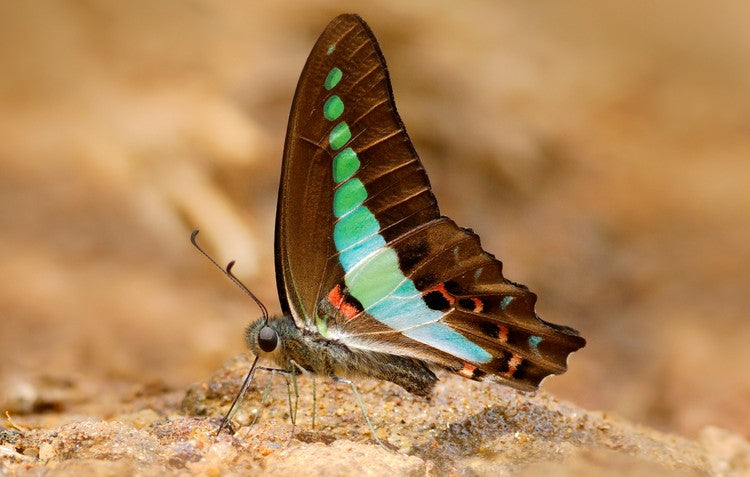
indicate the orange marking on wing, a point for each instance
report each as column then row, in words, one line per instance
column 468, row 370
column 441, row 288
column 513, row 364
column 503, row 335
column 337, row 299
column 478, row 305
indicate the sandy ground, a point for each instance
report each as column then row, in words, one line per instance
column 599, row 149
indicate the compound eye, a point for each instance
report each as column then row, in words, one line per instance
column 267, row 339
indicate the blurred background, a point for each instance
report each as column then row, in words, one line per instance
column 601, row 150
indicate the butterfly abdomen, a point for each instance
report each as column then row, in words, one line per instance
column 411, row 374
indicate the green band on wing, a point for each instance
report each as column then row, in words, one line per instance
column 354, row 227
column 333, row 108
column 376, row 277
column 339, row 135
column 345, row 164
column 333, row 78
column 349, row 195
column 385, row 293
column 351, row 256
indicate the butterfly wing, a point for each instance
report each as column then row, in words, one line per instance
column 343, row 132
column 363, row 253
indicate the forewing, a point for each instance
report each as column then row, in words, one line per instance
column 344, row 140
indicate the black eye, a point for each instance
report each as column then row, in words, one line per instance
column 267, row 339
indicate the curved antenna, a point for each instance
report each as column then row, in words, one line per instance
column 228, row 272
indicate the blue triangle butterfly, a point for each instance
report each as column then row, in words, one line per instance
column 372, row 279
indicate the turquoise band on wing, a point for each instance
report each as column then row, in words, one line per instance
column 354, row 227
column 349, row 195
column 371, row 269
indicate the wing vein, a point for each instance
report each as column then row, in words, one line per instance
column 372, row 108
column 379, row 140
column 358, row 48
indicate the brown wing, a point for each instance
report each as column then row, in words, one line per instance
column 307, row 266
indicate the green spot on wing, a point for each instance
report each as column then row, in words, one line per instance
column 333, row 78
column 376, row 277
column 331, row 49
column 348, row 196
column 345, row 164
column 333, row 108
column 340, row 135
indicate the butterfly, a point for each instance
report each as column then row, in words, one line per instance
column 372, row 279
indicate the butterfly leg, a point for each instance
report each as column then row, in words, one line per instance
column 293, row 367
column 361, row 406
column 293, row 407
column 241, row 396
column 265, row 394
column 315, row 402
column 266, row 390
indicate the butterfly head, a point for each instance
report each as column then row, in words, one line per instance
column 267, row 336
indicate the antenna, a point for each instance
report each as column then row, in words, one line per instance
column 228, row 272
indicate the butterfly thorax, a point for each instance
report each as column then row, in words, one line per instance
column 329, row 357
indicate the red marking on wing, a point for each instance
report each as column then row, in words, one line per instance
column 338, row 300
column 513, row 364
column 503, row 335
column 468, row 370
column 478, row 305
column 441, row 288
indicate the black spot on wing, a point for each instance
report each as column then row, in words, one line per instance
column 424, row 282
column 436, row 301
column 410, row 255
column 490, row 329
column 467, row 304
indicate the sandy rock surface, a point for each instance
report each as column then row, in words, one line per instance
column 600, row 150
column 465, row 428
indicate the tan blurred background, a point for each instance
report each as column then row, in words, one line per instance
column 601, row 150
